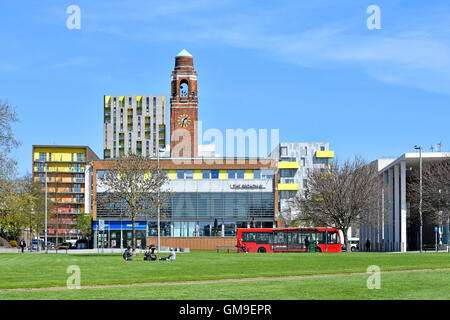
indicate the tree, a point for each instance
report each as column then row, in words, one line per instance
column 436, row 191
column 136, row 182
column 7, row 117
column 34, row 201
column 347, row 193
column 83, row 224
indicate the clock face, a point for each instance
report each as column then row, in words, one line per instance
column 184, row 120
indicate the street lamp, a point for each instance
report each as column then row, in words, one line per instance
column 159, row 236
column 420, row 192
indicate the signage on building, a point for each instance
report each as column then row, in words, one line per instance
column 101, row 225
column 247, row 186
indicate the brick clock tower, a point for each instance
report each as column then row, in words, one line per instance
column 183, row 107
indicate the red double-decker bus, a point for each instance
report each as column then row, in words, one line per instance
column 290, row 239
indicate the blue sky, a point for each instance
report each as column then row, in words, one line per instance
column 311, row 69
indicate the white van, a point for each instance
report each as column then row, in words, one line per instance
column 353, row 244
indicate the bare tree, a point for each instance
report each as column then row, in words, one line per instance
column 136, row 182
column 7, row 117
column 347, row 193
column 436, row 191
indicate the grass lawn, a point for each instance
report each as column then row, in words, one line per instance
column 49, row 270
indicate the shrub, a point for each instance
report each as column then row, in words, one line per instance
column 13, row 243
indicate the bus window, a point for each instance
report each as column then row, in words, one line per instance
column 279, row 237
column 248, row 236
column 294, row 238
column 262, row 237
column 333, row 238
column 320, row 237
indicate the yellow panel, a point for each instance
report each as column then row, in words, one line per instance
column 139, row 98
column 288, row 165
column 172, row 174
column 147, row 175
column 121, row 98
column 223, row 174
column 197, row 174
column 59, row 153
column 288, row 186
column 248, row 175
column 107, row 99
column 324, row 154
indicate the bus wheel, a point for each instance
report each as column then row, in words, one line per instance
column 318, row 249
column 262, row 250
column 353, row 249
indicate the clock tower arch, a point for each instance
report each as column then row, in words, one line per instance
column 183, row 107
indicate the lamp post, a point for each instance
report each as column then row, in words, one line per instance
column 159, row 222
column 45, row 221
column 420, row 194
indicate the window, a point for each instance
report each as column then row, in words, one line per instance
column 189, row 174
column 129, row 101
column 214, row 174
column 206, row 174
column 240, row 174
column 154, row 101
column 303, row 162
column 287, row 173
column 180, row 174
column 256, row 174
column 283, row 151
column 322, row 148
column 231, row 174
column 267, row 174
column 306, row 151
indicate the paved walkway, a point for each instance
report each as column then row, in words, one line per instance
column 175, row 283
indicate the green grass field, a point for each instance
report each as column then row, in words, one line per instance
column 49, row 270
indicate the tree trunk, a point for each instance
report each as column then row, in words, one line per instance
column 344, row 232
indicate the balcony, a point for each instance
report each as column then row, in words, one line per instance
column 324, row 154
column 288, row 187
column 288, row 165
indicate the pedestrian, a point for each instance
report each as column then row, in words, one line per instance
column 367, row 245
column 22, row 244
column 306, row 244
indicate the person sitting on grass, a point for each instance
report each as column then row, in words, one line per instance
column 172, row 256
column 150, row 254
column 127, row 254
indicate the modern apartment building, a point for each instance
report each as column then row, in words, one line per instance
column 66, row 172
column 294, row 161
column 134, row 124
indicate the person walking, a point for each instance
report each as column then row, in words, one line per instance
column 22, row 244
column 367, row 245
column 306, row 244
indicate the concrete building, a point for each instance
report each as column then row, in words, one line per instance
column 134, row 124
column 395, row 230
column 68, row 171
column 294, row 159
